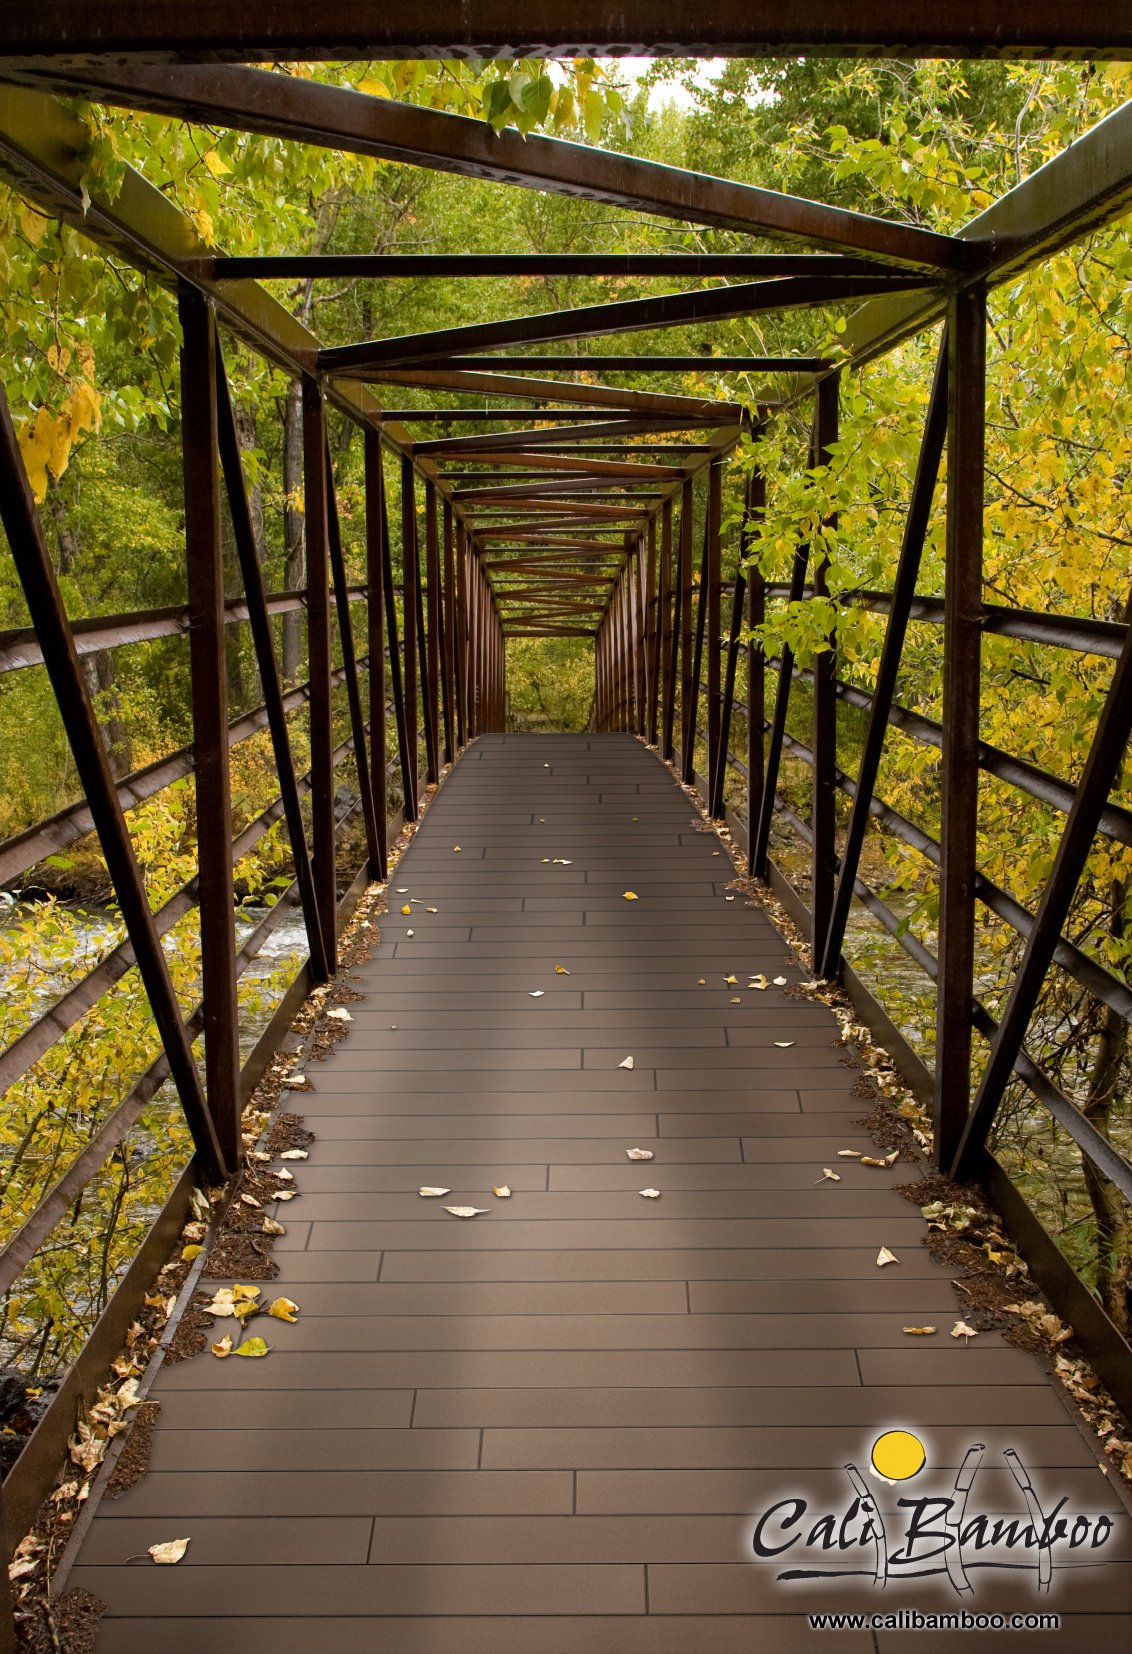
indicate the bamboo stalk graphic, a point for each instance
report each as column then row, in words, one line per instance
column 1045, row 1550
column 871, row 1509
column 956, row 1571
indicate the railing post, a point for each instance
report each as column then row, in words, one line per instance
column 448, row 636
column 754, row 504
column 666, row 665
column 259, row 624
column 375, row 642
column 7, row 1608
column 319, row 666
column 461, row 636
column 44, row 600
column 209, row 680
column 432, row 632
column 698, row 656
column 639, row 634
column 959, row 765
column 652, row 637
column 350, row 672
column 903, row 594
column 396, row 683
column 684, row 598
column 410, row 594
column 711, row 595
column 824, row 806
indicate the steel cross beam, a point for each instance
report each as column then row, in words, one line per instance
column 483, row 383
column 210, row 30
column 329, row 117
column 753, row 298
column 423, row 266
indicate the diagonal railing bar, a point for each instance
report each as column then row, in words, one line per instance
column 45, row 605
column 904, row 590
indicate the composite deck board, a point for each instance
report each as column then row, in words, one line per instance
column 545, row 1430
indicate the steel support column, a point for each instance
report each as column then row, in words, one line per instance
column 375, row 643
column 959, row 764
column 754, row 504
column 319, row 667
column 209, row 688
column 410, row 595
column 824, row 738
column 710, row 596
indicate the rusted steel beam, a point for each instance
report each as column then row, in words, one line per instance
column 903, row 595
column 959, row 771
column 669, row 634
column 350, row 670
column 882, row 28
column 484, row 383
column 503, row 441
column 410, row 589
column 653, row 628
column 317, row 536
column 461, row 635
column 754, row 505
column 592, row 321
column 823, row 814
column 592, row 363
column 684, row 606
column 598, row 489
column 375, row 642
column 576, row 466
column 448, row 637
column 579, row 407
column 331, row 117
column 425, row 266
column 719, row 766
column 431, row 673
column 209, row 694
column 1100, row 775
column 425, row 638
column 45, row 605
column 251, row 573
column 710, row 599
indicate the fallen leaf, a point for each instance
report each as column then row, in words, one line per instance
column 284, row 1175
column 410, row 933
column 456, row 848
column 252, row 1347
column 780, row 982
column 432, row 910
column 172, row 1550
column 536, row 993
column 729, row 898
column 283, row 1309
column 785, row 1044
column 407, row 910
column 628, row 1063
column 918, row 1332
column 428, row 1193
column 630, row 895
column 736, row 1000
column 650, row 1194
column 501, row 1190
column 758, row 982
column 250, row 1200
column 828, row 1175
column 639, row 1154
column 890, row 1158
column 560, row 970
column 188, row 1253
column 962, row 1330
column 287, row 1194
column 467, row 1211
column 296, row 1079
column 731, row 981
column 402, row 890
column 340, row 1014
column 701, row 982
column 223, row 1348
column 294, row 1154
column 849, row 1154
column 871, row 1159
column 885, row 1256
column 270, row 1227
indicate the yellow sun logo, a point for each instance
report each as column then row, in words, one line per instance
column 898, row 1455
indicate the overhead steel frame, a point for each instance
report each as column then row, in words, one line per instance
column 618, row 568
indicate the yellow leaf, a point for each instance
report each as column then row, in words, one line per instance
column 631, row 896
column 172, row 1551
column 428, row 1193
column 190, row 1252
column 501, row 1190
column 560, row 970
column 885, row 1256
column 456, row 848
column 828, row 1175
column 848, row 1154
column 253, row 1347
column 962, row 1330
column 373, row 88
column 283, row 1309
column 223, row 1348
column 407, row 910
column 35, row 225
column 918, row 1332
